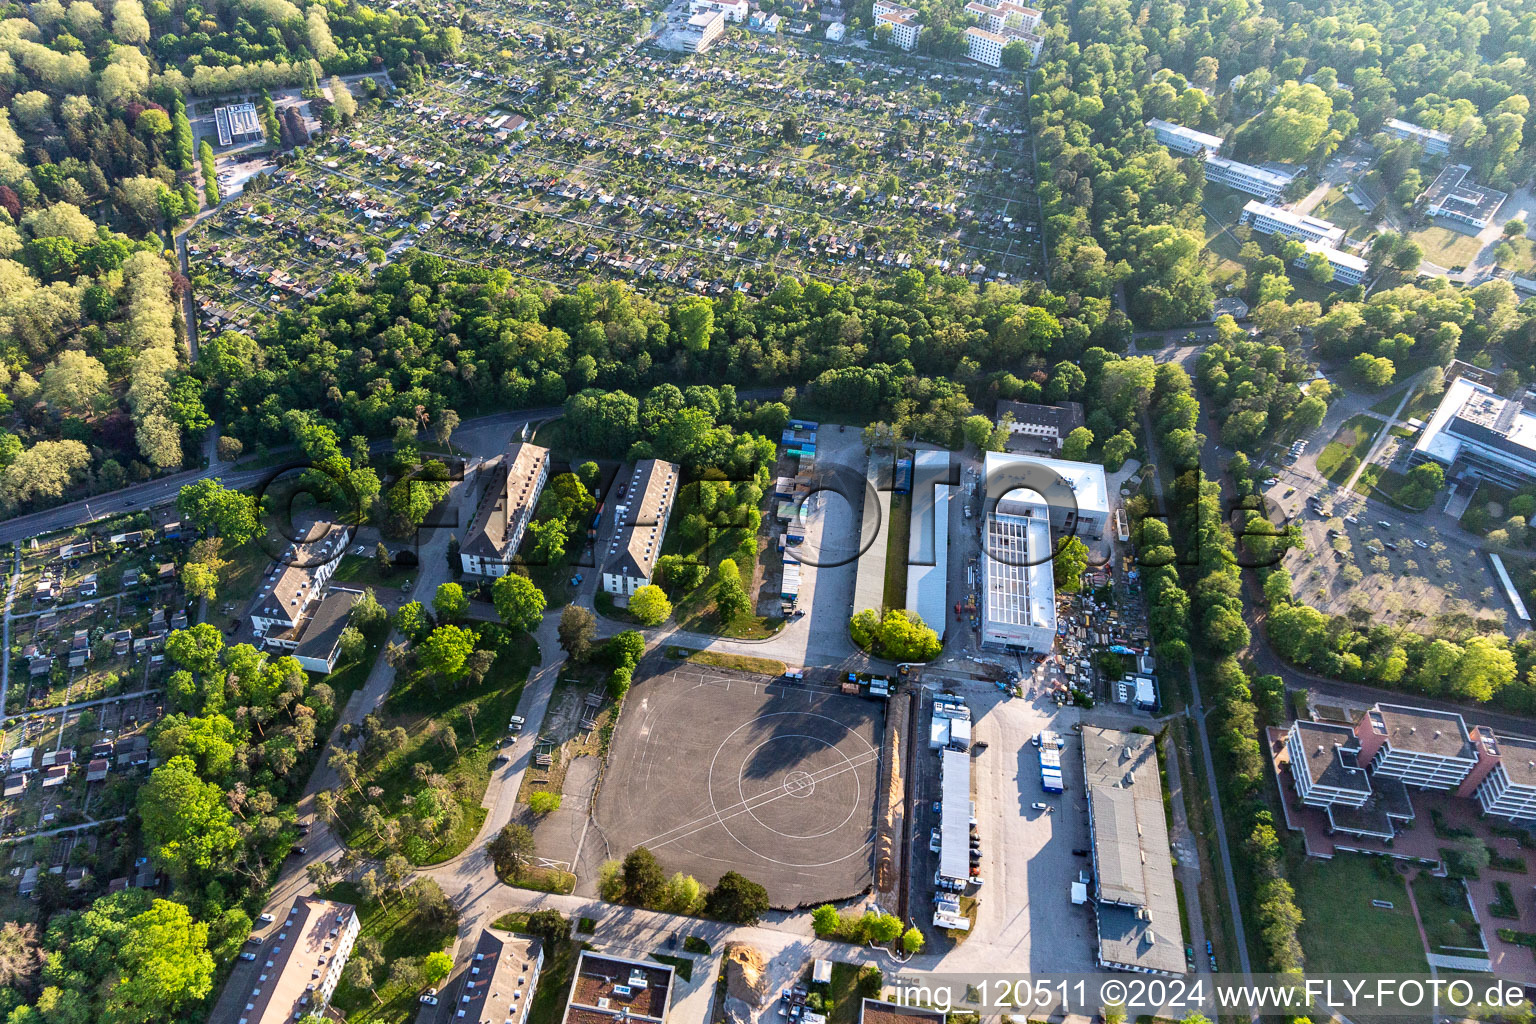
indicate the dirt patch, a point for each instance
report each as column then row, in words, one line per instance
column 746, row 975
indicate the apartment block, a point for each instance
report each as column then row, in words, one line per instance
column 501, row 978
column 987, row 48
column 1006, row 14
column 702, row 30
column 1509, row 787
column 615, row 990
column 513, row 482
column 905, row 28
column 302, row 962
column 640, row 517
column 1435, row 143
column 1181, row 139
column 1275, row 220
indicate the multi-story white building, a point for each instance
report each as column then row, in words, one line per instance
column 513, row 482
column 290, row 595
column 1434, row 143
column 500, row 980
column 237, row 122
column 905, row 28
column 1422, row 747
column 1264, row 182
column 1454, row 196
column 986, row 47
column 1181, row 139
column 1074, row 496
column 1348, row 269
column 302, row 962
column 640, row 517
column 1274, row 220
column 701, row 31
column 1479, row 434
column 734, row 10
column 1004, row 14
column 1509, row 788
column 1018, row 587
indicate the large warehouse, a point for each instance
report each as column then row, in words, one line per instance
column 1018, row 595
column 1033, row 502
column 1136, row 907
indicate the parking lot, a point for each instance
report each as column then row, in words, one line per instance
column 1386, row 566
column 1028, row 863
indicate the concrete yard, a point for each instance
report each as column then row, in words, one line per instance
column 716, row 770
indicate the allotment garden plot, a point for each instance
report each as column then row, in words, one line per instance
column 715, row 770
column 715, row 173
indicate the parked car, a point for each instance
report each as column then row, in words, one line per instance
column 429, row 999
column 247, row 956
column 517, row 723
column 253, row 940
column 266, row 919
column 1037, row 805
column 1420, row 544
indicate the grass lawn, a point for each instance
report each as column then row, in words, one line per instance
column 1337, row 207
column 843, row 994
column 1447, row 917
column 423, row 709
column 1447, row 247
column 402, row 933
column 1388, row 404
column 1348, row 448
column 681, row 964
column 1386, row 485
column 243, row 574
column 897, row 532
column 1342, row 932
column 721, row 659
column 364, row 570
column 554, row 983
column 1525, row 256
column 542, row 880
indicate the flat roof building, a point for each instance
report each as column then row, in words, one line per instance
column 701, row 30
column 237, row 122
column 1274, row 220
column 514, row 480
column 289, row 594
column 734, row 10
column 640, row 524
column 1435, row 143
column 1509, row 787
column 1479, row 434
column 614, row 990
column 1348, row 269
column 1018, row 586
column 500, row 980
column 1455, row 196
column 928, row 540
column 1076, row 493
column 1136, row 906
column 303, row 962
column 878, row 1011
column 1183, row 140
column 954, row 815
column 1423, row 747
column 1267, row 183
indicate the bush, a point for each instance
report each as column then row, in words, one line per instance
column 544, row 803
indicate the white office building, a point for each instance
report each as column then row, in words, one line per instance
column 1074, row 495
column 1274, row 220
column 1434, row 143
column 905, row 28
column 1348, row 269
column 1265, row 182
column 1455, row 196
column 1480, row 434
column 1183, row 140
column 702, row 30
